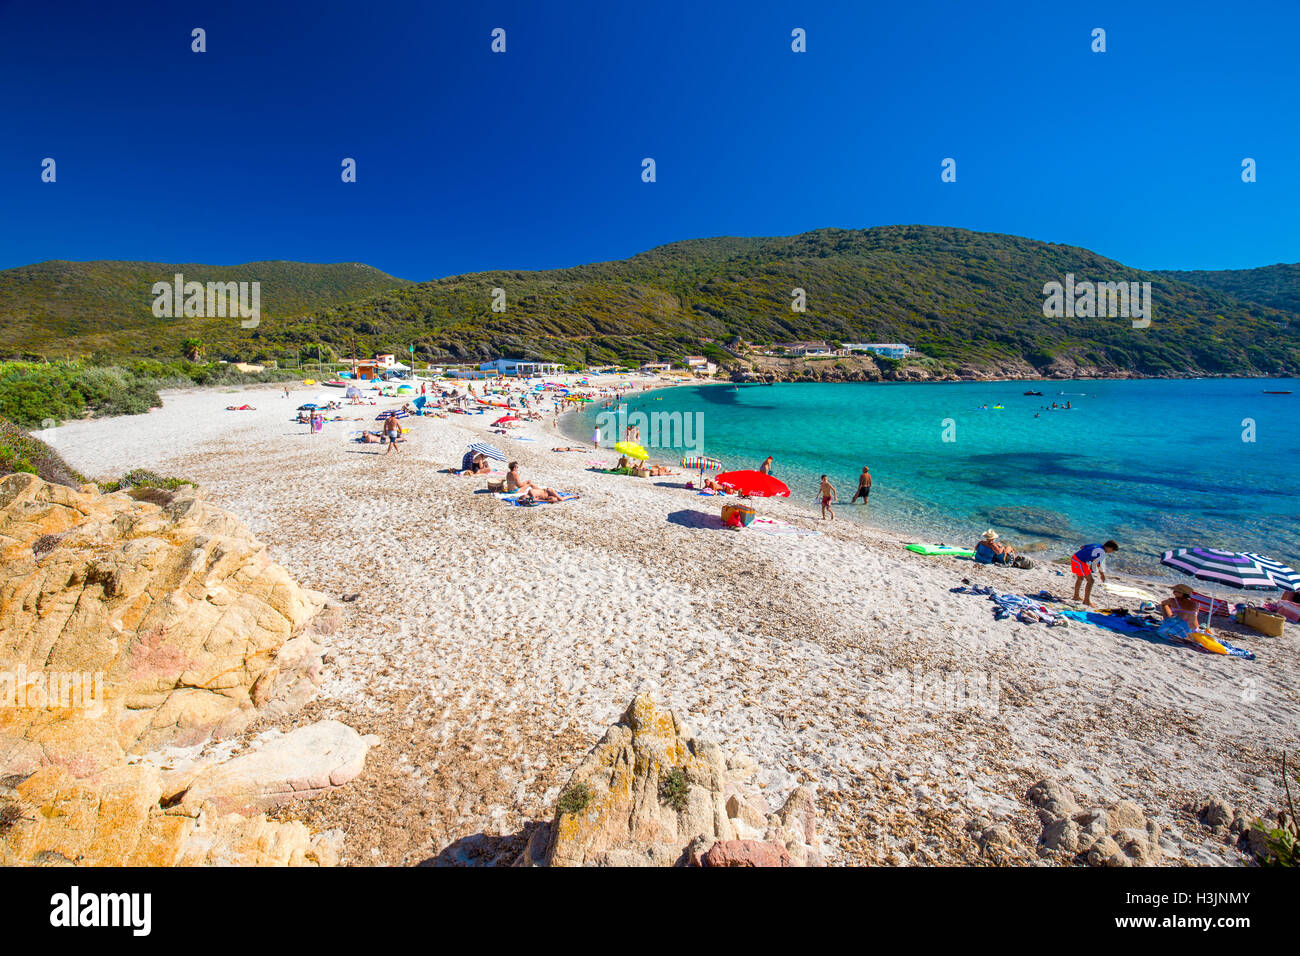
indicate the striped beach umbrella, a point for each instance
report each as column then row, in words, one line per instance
column 703, row 463
column 491, row 451
column 1288, row 579
column 1234, row 569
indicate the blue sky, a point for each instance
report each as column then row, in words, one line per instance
column 469, row 160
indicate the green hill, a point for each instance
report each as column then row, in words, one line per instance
column 963, row 298
column 1277, row 286
column 59, row 308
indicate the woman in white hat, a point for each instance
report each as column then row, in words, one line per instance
column 991, row 551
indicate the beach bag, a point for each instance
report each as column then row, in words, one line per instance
column 737, row 516
column 1022, row 562
column 496, row 487
column 1260, row 620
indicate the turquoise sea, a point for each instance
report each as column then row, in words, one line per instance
column 1152, row 464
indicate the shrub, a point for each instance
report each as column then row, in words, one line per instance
column 575, row 799
column 673, row 789
column 20, row 452
column 144, row 478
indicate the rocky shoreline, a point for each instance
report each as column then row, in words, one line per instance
column 769, row 370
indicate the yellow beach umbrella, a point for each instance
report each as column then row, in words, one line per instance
column 632, row 450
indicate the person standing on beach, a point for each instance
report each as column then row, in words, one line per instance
column 827, row 492
column 864, row 486
column 766, row 467
column 392, row 431
column 1090, row 558
column 595, row 436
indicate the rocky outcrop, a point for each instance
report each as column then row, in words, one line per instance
column 1114, row 835
column 132, row 622
column 652, row 794
column 117, row 819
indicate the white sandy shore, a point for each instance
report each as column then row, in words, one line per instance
column 492, row 645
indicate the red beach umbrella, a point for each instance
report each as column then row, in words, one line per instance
column 505, row 418
column 754, row 484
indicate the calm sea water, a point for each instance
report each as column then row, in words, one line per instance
column 1153, row 464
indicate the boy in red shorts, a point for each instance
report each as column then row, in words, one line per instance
column 1090, row 558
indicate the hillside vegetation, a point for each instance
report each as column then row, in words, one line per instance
column 105, row 309
column 965, row 299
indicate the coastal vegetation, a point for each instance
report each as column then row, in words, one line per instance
column 36, row 393
column 963, row 299
column 20, row 452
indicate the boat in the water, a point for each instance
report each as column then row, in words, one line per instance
column 1267, row 392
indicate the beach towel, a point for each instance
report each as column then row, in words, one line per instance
column 1127, row 590
column 1119, row 623
column 1221, row 608
column 1177, row 630
column 515, row 498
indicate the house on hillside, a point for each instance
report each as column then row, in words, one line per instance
column 805, row 348
column 521, row 368
column 656, row 367
column 892, row 350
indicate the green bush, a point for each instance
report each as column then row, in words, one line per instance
column 20, row 452
column 575, row 799
column 144, row 478
column 674, row 788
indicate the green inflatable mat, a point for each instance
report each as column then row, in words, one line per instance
column 941, row 549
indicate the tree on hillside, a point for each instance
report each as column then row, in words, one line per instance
column 193, row 349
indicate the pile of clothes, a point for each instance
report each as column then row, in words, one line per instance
column 1027, row 610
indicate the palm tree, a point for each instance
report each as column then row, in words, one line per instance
column 193, row 349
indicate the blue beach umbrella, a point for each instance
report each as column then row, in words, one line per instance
column 491, row 451
column 1288, row 579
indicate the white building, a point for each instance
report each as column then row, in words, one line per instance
column 523, row 368
column 805, row 348
column 893, row 350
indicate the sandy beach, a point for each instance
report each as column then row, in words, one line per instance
column 489, row 646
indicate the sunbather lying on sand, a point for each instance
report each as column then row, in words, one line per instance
column 657, row 471
column 515, row 483
column 568, row 449
column 536, row 493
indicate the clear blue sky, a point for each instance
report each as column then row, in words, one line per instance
column 470, row 161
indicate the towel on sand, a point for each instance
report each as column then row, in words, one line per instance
column 515, row 498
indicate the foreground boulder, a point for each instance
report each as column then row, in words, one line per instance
column 132, row 622
column 1114, row 835
column 652, row 794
